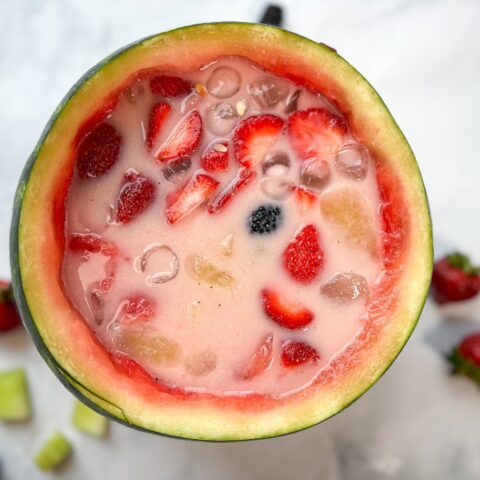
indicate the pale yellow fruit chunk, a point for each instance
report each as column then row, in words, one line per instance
column 349, row 214
column 205, row 272
column 201, row 363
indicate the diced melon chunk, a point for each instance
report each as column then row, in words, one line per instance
column 88, row 421
column 53, row 452
column 205, row 272
column 14, row 398
column 349, row 213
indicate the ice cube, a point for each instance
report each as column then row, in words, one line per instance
column 148, row 345
column 291, row 105
column 352, row 161
column 159, row 262
column 315, row 174
column 260, row 360
column 349, row 213
column 203, row 271
column 134, row 91
column 202, row 363
column 276, row 188
column 275, row 164
column 345, row 287
column 190, row 102
column 267, row 91
column 221, row 118
column 224, row 82
column 94, row 299
column 176, row 171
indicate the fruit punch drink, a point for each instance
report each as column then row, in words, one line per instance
column 234, row 246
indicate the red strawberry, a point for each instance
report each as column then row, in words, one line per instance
column 287, row 314
column 195, row 192
column 184, row 140
column 91, row 242
column 243, row 178
column 98, row 152
column 303, row 257
column 254, row 136
column 296, row 353
column 170, row 86
column 9, row 318
column 215, row 157
column 304, row 198
column 465, row 359
column 315, row 132
column 261, row 359
column 158, row 115
column 138, row 309
column 135, row 196
column 455, row 278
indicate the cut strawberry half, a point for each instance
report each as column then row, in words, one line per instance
column 243, row 178
column 261, row 359
column 215, row 157
column 195, row 192
column 305, row 198
column 454, row 279
column 254, row 137
column 296, row 353
column 158, row 115
column 168, row 86
column 9, row 318
column 98, row 151
column 285, row 313
column 92, row 243
column 138, row 308
column 316, row 132
column 303, row 257
column 136, row 194
column 184, row 140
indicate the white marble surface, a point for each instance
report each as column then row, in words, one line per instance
column 422, row 56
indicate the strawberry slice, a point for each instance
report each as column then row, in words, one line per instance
column 304, row 198
column 184, row 140
column 158, row 115
column 296, row 353
column 261, row 359
column 303, row 257
column 138, row 309
column 243, row 178
column 254, row 137
column 315, row 132
column 136, row 194
column 168, row 86
column 195, row 192
column 91, row 242
column 9, row 318
column 215, row 157
column 98, row 151
column 455, row 278
column 287, row 314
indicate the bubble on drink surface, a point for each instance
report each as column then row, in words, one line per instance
column 221, row 118
column 267, row 92
column 276, row 188
column 315, row 174
column 224, row 82
column 176, row 171
column 275, row 164
column 345, row 287
column 202, row 363
column 148, row 345
column 352, row 161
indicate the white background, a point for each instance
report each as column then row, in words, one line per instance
column 423, row 57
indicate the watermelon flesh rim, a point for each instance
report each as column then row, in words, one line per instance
column 396, row 217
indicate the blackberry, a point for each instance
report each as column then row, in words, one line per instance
column 265, row 219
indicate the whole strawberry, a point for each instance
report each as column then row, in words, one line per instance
column 465, row 358
column 9, row 318
column 455, row 278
